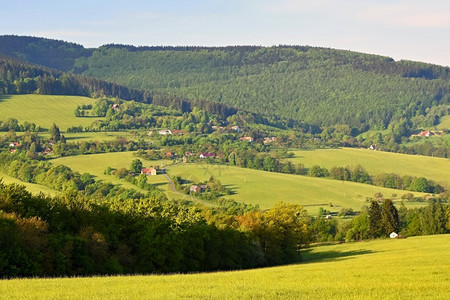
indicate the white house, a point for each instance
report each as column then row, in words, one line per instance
column 165, row 132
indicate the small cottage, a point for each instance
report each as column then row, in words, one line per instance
column 150, row 171
column 206, row 155
column 165, row 132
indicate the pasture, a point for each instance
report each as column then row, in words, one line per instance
column 413, row 268
column 96, row 164
column 31, row 187
column 250, row 186
column 445, row 123
column 267, row 188
column 377, row 162
column 44, row 110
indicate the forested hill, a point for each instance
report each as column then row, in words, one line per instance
column 19, row 77
column 314, row 85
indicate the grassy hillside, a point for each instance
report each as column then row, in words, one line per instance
column 266, row 188
column 377, row 162
column 413, row 268
column 31, row 187
column 44, row 110
column 96, row 164
column 445, row 123
column 251, row 186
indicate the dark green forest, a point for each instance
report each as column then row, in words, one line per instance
column 313, row 85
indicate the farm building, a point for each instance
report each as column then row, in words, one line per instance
column 206, row 155
column 165, row 132
column 269, row 140
column 198, row 188
column 426, row 133
column 149, row 171
column 177, row 132
column 247, row 138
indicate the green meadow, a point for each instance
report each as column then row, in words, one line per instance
column 412, row 268
column 250, row 186
column 31, row 187
column 377, row 162
column 44, row 110
column 445, row 123
column 267, row 188
column 96, row 164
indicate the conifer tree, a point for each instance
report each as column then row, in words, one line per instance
column 55, row 133
column 375, row 222
column 389, row 217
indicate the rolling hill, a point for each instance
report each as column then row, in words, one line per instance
column 378, row 162
column 313, row 85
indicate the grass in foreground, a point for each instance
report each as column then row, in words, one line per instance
column 377, row 162
column 413, row 268
column 44, row 110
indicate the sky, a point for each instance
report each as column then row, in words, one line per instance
column 402, row 29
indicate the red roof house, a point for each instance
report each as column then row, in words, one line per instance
column 206, row 155
column 149, row 171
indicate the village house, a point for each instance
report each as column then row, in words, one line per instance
column 177, row 132
column 115, row 106
column 426, row 133
column 206, row 155
column 268, row 140
column 14, row 144
column 198, row 188
column 165, row 132
column 247, row 138
column 47, row 151
column 236, row 128
column 150, row 171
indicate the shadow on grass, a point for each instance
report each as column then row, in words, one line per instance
column 5, row 97
column 76, row 137
column 325, row 256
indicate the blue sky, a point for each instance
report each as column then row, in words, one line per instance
column 402, row 29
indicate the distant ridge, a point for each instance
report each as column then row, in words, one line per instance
column 319, row 86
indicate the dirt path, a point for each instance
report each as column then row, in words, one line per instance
column 172, row 186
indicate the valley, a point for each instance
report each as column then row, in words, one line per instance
column 213, row 172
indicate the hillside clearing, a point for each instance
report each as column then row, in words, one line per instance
column 250, row 186
column 377, row 162
column 44, row 110
column 267, row 188
column 96, row 164
column 412, row 268
column 31, row 187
